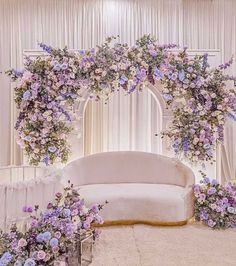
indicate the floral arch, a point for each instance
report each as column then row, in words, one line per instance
column 52, row 90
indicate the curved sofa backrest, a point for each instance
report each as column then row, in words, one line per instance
column 128, row 167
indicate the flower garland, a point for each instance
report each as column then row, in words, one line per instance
column 215, row 204
column 49, row 86
column 50, row 234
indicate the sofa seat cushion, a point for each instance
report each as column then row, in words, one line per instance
column 140, row 201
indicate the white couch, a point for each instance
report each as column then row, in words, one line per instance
column 140, row 187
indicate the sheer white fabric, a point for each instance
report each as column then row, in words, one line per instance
column 209, row 24
column 25, row 186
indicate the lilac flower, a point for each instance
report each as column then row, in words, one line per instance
column 18, row 263
column 53, row 242
column 202, row 197
column 205, row 61
column 185, row 146
column 82, row 52
column 46, row 159
column 19, row 73
column 40, row 237
column 153, row 53
column 86, row 225
column 225, row 200
column 29, row 262
column 181, row 75
column 206, row 180
column 190, row 69
column 64, row 66
column 26, row 95
column 47, row 236
column 34, row 223
column 52, row 149
column 6, row 259
column 211, row 191
column 27, row 209
column 214, row 182
column 231, row 210
column 66, row 212
column 204, row 215
column 46, row 48
column 211, row 223
column 174, row 76
column 123, row 79
column 57, row 67
column 167, row 97
column 158, row 73
column 95, row 208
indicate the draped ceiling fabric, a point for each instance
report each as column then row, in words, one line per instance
column 199, row 24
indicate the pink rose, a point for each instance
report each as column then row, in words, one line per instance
column 22, row 243
column 74, row 212
column 41, row 255
column 55, row 249
column 47, row 257
column 57, row 235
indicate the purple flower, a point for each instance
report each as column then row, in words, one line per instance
column 214, row 182
column 206, row 180
column 52, row 149
column 66, row 212
column 6, row 259
column 211, row 223
column 86, row 225
column 123, row 79
column 204, row 215
column 46, row 48
column 174, row 76
column 181, row 75
column 53, row 242
column 57, row 67
column 47, row 236
column 34, row 223
column 29, row 262
column 153, row 53
column 64, row 66
column 211, row 191
column 231, row 210
column 201, row 197
column 40, row 238
column 26, row 95
column 158, row 73
column 95, row 208
column 27, row 209
column 225, row 200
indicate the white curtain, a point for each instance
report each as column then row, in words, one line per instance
column 125, row 122
column 209, row 24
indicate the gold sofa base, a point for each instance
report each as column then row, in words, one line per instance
column 133, row 222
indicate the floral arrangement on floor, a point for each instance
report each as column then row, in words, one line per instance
column 49, row 86
column 215, row 204
column 49, row 235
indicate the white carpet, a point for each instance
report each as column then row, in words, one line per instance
column 141, row 245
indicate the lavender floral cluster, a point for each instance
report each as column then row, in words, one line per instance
column 215, row 204
column 49, row 86
column 49, row 234
column 201, row 102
